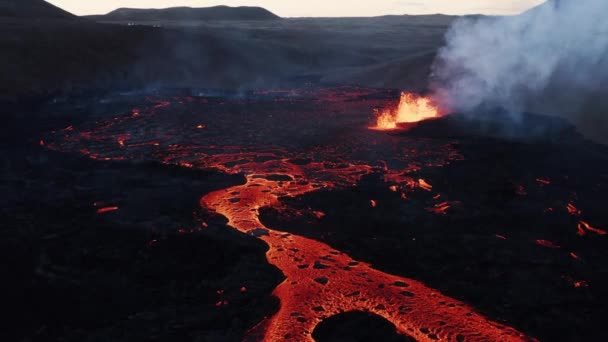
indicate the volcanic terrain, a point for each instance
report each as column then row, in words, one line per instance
column 444, row 230
column 224, row 175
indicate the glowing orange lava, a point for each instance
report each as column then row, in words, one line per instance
column 320, row 281
column 106, row 210
column 572, row 210
column 424, row 185
column 440, row 208
column 411, row 108
column 584, row 226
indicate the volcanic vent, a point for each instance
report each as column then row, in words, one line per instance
column 412, row 108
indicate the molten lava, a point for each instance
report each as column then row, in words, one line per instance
column 411, row 108
column 320, row 281
column 582, row 226
column 106, row 210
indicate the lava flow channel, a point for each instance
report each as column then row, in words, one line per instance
column 322, row 282
column 319, row 281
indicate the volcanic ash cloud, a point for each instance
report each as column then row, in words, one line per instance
column 508, row 61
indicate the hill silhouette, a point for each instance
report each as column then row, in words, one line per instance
column 32, row 9
column 549, row 3
column 189, row 13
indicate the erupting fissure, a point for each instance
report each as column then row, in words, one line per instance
column 320, row 281
column 411, row 108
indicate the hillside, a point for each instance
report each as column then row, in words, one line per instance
column 189, row 13
column 554, row 4
column 31, row 9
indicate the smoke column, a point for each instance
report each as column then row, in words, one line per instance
column 509, row 62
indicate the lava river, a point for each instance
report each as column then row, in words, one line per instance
column 285, row 151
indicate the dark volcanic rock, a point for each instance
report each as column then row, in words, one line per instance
column 258, row 232
column 322, row 280
column 32, row 9
column 71, row 274
column 517, row 127
column 357, row 327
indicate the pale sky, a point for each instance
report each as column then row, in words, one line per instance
column 317, row 8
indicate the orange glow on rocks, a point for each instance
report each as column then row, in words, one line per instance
column 411, row 108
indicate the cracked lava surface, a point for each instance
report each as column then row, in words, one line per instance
column 292, row 145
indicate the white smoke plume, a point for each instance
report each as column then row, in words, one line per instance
column 508, row 62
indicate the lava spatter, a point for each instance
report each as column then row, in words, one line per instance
column 282, row 154
column 411, row 108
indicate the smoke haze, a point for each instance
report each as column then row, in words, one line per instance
column 557, row 52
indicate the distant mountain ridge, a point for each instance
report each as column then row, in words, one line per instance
column 34, row 9
column 189, row 13
column 548, row 3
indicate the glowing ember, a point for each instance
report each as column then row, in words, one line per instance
column 584, row 226
column 121, row 140
column 572, row 210
column 578, row 284
column 575, row 256
column 543, row 181
column 424, row 185
column 580, row 230
column 411, row 108
column 319, row 214
column 106, row 210
column 440, row 209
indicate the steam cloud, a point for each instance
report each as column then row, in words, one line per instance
column 508, row 61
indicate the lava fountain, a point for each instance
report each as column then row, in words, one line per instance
column 411, row 108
